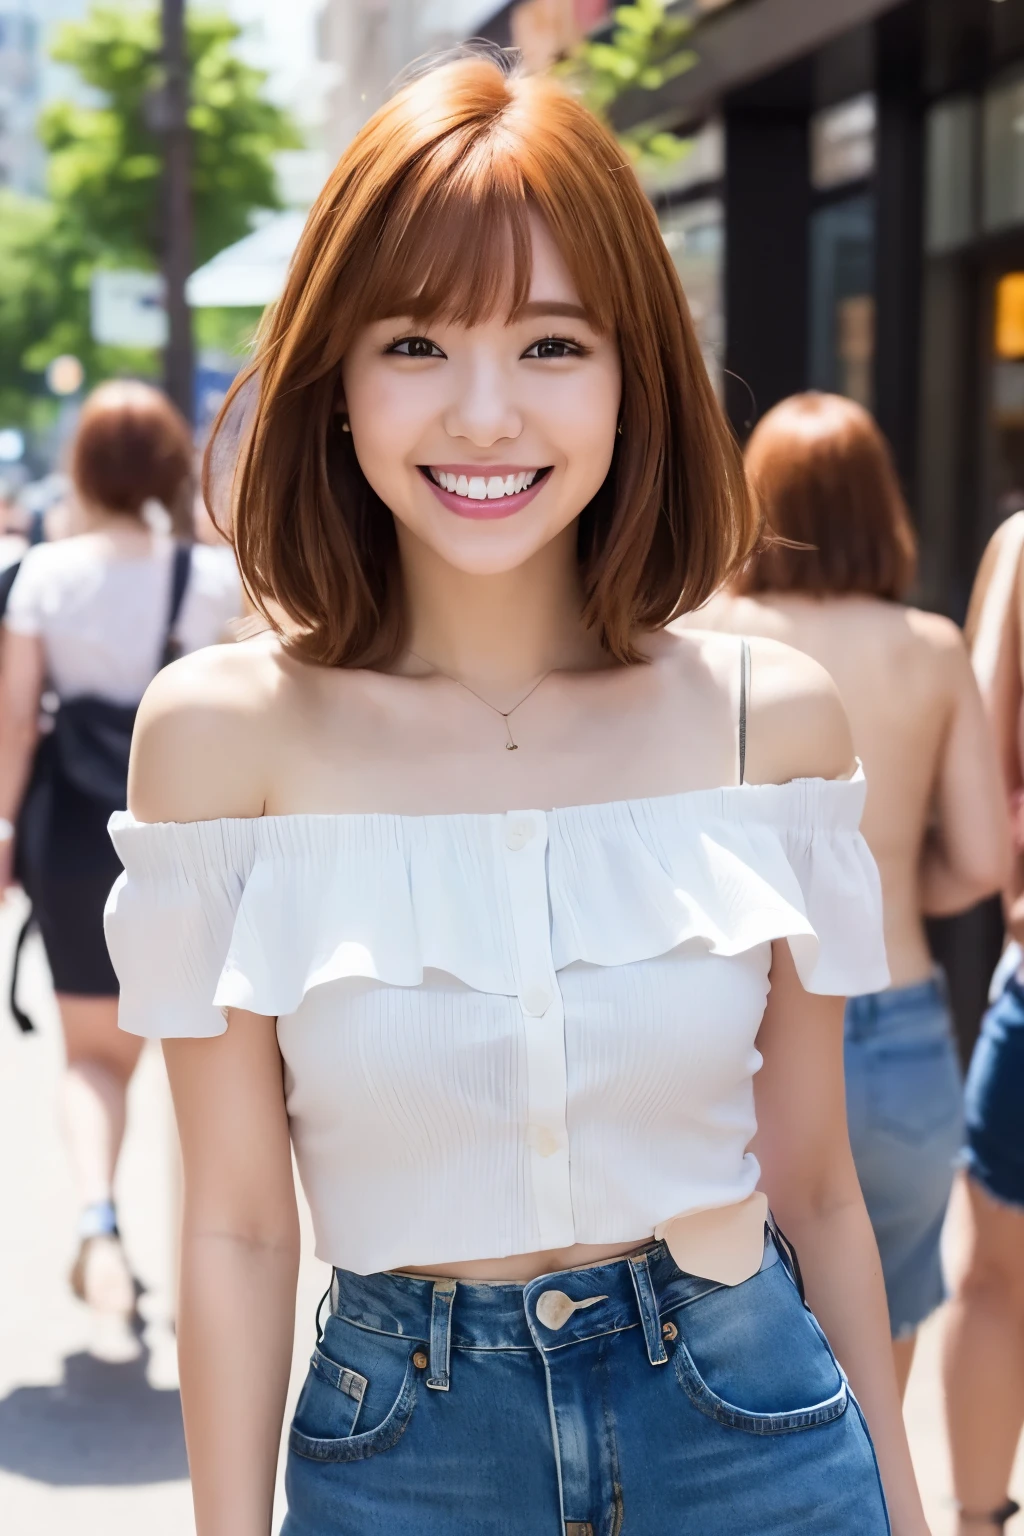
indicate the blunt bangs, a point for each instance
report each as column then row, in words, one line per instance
column 428, row 215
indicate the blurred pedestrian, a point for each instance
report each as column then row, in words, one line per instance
column 89, row 620
column 833, row 582
column 984, row 1345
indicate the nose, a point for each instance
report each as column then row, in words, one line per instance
column 482, row 408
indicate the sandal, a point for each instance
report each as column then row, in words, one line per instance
column 100, row 1256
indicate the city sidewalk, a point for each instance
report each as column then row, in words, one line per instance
column 94, row 1445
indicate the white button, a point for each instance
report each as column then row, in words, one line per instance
column 536, row 1001
column 542, row 1141
column 518, row 834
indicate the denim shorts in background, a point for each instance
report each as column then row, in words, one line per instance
column 994, row 1100
column 904, row 1105
column 622, row 1396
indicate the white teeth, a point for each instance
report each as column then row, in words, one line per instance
column 484, row 488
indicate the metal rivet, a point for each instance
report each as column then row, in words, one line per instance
column 420, row 1360
column 669, row 1331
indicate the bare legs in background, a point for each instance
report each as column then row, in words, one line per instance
column 983, row 1360
column 100, row 1060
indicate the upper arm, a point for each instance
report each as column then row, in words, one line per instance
column 197, row 756
column 796, row 723
column 970, row 804
column 199, row 745
column 229, row 1104
column 801, row 1142
column 22, row 677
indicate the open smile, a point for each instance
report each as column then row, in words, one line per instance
column 483, row 491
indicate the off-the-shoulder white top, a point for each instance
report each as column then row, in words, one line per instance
column 512, row 1032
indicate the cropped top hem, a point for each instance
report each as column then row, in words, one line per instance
column 505, row 1032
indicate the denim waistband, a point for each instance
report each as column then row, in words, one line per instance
column 548, row 1313
column 921, row 1002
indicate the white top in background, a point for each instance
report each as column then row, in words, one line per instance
column 510, row 1032
column 103, row 617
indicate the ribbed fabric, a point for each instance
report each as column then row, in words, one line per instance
column 507, row 1032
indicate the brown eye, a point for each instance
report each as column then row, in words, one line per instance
column 552, row 347
column 415, row 346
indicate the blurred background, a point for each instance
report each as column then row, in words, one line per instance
column 841, row 186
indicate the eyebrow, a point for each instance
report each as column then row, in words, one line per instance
column 540, row 307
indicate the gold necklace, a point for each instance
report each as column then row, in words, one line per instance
column 511, row 745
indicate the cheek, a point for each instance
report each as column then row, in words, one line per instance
column 387, row 419
column 584, row 429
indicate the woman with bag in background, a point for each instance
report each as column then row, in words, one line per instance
column 89, row 621
column 833, row 584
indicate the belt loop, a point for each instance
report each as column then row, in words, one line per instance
column 647, row 1301
column 441, row 1334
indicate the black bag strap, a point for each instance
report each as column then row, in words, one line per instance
column 18, row 1013
column 180, row 572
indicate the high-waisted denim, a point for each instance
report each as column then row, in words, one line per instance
column 625, row 1397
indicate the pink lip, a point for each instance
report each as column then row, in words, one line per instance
column 483, row 511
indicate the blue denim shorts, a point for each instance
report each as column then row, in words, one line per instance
column 994, row 1100
column 626, row 1396
column 904, row 1105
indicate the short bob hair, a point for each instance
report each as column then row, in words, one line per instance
column 427, row 214
column 828, row 490
column 131, row 446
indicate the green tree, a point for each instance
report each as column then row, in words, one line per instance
column 29, row 298
column 104, row 161
column 647, row 48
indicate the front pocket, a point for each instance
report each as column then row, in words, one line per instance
column 752, row 1357
column 337, row 1400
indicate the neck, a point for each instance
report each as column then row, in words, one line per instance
column 498, row 630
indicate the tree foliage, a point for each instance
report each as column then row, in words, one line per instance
column 647, row 48
column 104, row 162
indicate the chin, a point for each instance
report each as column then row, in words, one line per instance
column 485, row 548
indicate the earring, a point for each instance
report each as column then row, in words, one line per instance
column 345, row 426
column 619, row 429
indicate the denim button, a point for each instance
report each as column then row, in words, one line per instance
column 420, row 1360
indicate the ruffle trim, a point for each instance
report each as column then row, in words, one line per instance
column 255, row 913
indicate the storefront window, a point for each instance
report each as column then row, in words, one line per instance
column 695, row 236
column 1003, row 184
column 843, row 143
column 949, row 174
column 842, row 298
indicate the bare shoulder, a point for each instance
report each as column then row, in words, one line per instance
column 796, row 723
column 943, row 651
column 936, row 632
column 204, row 732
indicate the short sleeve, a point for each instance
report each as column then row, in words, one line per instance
column 25, row 603
column 169, row 920
column 842, row 897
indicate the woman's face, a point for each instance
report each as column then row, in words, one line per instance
column 487, row 441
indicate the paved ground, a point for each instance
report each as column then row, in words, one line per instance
column 93, row 1446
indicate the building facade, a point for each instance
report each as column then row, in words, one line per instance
column 371, row 42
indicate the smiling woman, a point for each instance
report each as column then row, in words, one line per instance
column 492, row 897
column 474, row 202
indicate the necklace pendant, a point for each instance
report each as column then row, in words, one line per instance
column 511, row 746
